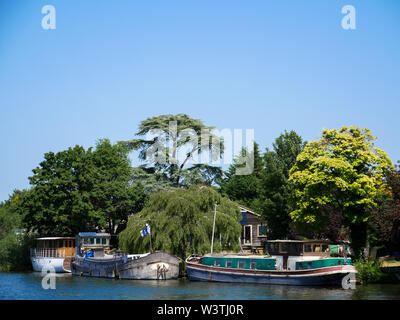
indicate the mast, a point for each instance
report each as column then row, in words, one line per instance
column 212, row 238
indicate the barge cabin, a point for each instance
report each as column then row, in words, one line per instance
column 53, row 252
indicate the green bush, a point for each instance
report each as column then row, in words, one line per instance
column 14, row 253
column 14, row 248
column 369, row 271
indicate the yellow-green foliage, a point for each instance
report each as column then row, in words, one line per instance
column 343, row 170
column 181, row 223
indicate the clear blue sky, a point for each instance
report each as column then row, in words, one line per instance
column 267, row 65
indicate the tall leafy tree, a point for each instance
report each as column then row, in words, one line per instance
column 275, row 186
column 245, row 189
column 344, row 171
column 78, row 189
column 14, row 242
column 169, row 142
column 181, row 222
column 151, row 180
column 385, row 220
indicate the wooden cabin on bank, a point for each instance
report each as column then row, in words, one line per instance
column 254, row 232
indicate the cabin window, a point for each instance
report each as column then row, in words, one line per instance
column 283, row 248
column 253, row 265
column 307, row 248
column 300, row 266
column 294, row 248
column 273, row 247
column 229, row 264
column 104, row 241
column 217, row 262
column 309, row 265
column 241, row 264
column 91, row 240
column 262, row 230
column 324, row 248
column 317, row 248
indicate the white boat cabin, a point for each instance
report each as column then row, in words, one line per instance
column 54, row 247
column 98, row 243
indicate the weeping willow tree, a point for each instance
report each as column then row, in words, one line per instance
column 181, row 223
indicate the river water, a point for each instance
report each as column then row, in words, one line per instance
column 28, row 286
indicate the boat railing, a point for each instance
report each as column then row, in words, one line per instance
column 48, row 252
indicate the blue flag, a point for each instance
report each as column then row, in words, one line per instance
column 146, row 230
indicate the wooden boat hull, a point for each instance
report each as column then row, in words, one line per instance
column 323, row 276
column 155, row 266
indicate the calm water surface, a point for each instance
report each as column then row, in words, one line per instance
column 28, row 286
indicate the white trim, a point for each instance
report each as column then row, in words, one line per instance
column 258, row 231
column 251, row 235
column 249, row 211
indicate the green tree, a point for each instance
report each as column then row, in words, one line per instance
column 245, row 189
column 174, row 140
column 112, row 195
column 344, row 171
column 276, row 188
column 78, row 189
column 14, row 242
column 181, row 222
column 151, row 180
column 385, row 219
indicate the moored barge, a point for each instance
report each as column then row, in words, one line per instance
column 95, row 259
column 288, row 262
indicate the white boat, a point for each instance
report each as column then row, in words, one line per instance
column 53, row 252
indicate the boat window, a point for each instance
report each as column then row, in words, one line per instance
column 272, row 248
column 91, row 240
column 294, row 247
column 309, row 265
column 300, row 266
column 241, row 264
column 307, row 248
column 253, row 265
column 283, row 248
column 317, row 248
column 324, row 248
column 217, row 262
column 104, row 241
column 229, row 264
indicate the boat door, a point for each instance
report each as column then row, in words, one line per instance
column 283, row 250
column 285, row 260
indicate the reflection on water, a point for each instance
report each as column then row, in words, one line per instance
column 29, row 286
